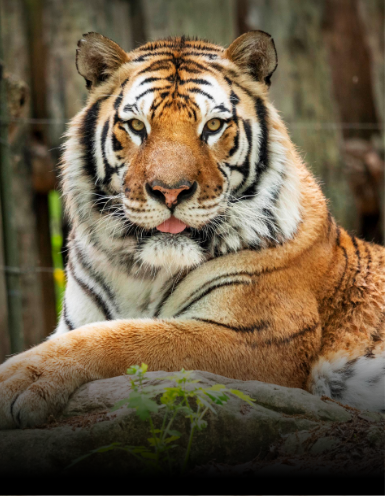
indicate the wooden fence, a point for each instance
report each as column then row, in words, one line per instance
column 329, row 88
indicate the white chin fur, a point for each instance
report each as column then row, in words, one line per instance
column 172, row 251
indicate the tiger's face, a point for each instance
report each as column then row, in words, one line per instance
column 175, row 138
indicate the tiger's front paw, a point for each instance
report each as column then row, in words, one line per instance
column 36, row 384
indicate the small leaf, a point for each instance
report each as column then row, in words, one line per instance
column 143, row 405
column 174, row 433
column 132, row 370
column 206, row 403
column 103, row 449
column 216, row 387
column 144, row 368
column 171, row 438
column 242, row 396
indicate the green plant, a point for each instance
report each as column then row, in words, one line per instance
column 186, row 397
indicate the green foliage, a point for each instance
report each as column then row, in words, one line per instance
column 55, row 214
column 185, row 398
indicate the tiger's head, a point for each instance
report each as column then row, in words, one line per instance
column 178, row 156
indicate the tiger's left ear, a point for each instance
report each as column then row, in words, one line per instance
column 254, row 52
column 97, row 58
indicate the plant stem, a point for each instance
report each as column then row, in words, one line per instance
column 155, row 441
column 169, row 425
column 188, row 450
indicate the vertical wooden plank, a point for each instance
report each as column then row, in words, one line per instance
column 351, row 66
column 18, row 69
column 373, row 17
column 38, row 59
column 214, row 20
column 302, row 90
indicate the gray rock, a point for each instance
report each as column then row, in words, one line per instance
column 100, row 395
column 324, row 444
column 237, row 434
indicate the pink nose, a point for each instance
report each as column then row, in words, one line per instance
column 170, row 195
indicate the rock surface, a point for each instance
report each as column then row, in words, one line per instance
column 285, row 422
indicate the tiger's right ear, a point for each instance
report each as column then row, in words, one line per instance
column 255, row 53
column 97, row 57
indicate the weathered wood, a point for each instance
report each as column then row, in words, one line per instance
column 38, row 50
column 373, row 18
column 302, row 90
column 17, row 65
column 214, row 20
column 9, row 238
column 352, row 68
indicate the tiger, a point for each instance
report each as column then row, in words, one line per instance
column 199, row 240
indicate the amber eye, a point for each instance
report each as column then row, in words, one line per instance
column 136, row 125
column 213, row 125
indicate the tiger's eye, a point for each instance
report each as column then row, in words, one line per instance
column 213, row 124
column 137, row 125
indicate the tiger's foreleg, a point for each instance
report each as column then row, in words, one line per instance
column 38, row 382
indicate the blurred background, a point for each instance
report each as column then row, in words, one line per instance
column 329, row 88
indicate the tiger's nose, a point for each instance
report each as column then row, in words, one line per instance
column 171, row 195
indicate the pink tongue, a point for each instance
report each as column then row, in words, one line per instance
column 172, row 225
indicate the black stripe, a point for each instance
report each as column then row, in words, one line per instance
column 369, row 261
column 330, row 222
column 87, row 267
column 151, row 79
column 258, row 326
column 108, row 169
column 145, row 57
column 67, row 320
column 193, row 80
column 263, row 151
column 201, row 92
column 91, row 293
column 221, row 108
column 210, row 56
column 279, row 341
column 210, row 290
column 173, row 44
column 157, row 66
column 172, row 287
column 358, row 255
column 87, row 140
column 203, row 47
column 234, row 99
column 244, row 169
column 152, row 90
column 217, row 278
column 118, row 100
column 116, row 144
column 130, row 107
column 263, row 159
column 188, row 63
column 271, row 222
